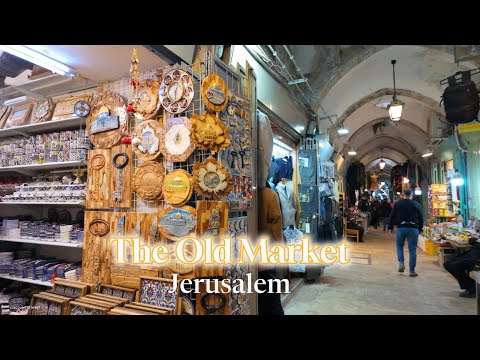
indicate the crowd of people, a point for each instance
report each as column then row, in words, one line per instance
column 370, row 211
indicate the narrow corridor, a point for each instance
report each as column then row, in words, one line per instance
column 370, row 284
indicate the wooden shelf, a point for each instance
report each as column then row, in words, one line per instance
column 41, row 167
column 44, row 242
column 64, row 203
column 26, row 280
column 70, row 123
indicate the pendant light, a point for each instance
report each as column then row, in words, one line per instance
column 427, row 153
column 395, row 107
column 342, row 130
column 457, row 179
column 381, row 163
column 418, row 191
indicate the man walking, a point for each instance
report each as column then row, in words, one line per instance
column 407, row 215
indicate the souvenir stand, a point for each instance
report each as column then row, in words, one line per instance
column 182, row 163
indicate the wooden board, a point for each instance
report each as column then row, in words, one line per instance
column 98, row 180
column 116, row 106
column 95, row 250
column 149, row 309
column 4, row 113
column 129, row 275
column 111, row 299
column 204, row 211
column 65, row 107
column 127, row 175
column 148, row 180
column 105, row 304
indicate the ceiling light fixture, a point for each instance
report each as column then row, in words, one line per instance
column 24, row 52
column 427, row 153
column 395, row 107
column 342, row 130
column 352, row 152
column 381, row 163
column 457, row 178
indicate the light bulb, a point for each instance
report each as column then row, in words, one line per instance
column 406, row 180
column 418, row 191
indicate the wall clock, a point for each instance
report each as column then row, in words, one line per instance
column 146, row 142
column 177, row 187
column 177, row 223
column 175, row 142
column 82, row 108
column 148, row 180
column 147, row 101
column 209, row 132
column 66, row 107
column 43, row 111
column 214, row 92
column 107, row 111
column 176, row 91
column 211, row 179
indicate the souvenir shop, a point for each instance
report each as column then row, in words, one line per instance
column 159, row 154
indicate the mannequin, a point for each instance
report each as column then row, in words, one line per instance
column 288, row 203
column 269, row 214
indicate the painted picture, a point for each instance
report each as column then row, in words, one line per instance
column 19, row 115
column 157, row 291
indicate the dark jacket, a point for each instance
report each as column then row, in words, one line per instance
column 406, row 213
column 385, row 209
column 375, row 205
column 363, row 205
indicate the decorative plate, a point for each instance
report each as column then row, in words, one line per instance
column 177, row 223
column 175, row 142
column 214, row 92
column 211, row 179
column 176, row 91
column 108, row 136
column 82, row 108
column 148, row 180
column 209, row 132
column 146, row 143
column 43, row 111
column 146, row 102
column 177, row 187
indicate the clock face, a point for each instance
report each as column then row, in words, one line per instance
column 177, row 139
column 82, row 108
column 175, row 91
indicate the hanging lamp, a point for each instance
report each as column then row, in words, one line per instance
column 395, row 107
column 381, row 163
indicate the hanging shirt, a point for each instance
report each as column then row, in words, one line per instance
column 285, row 166
column 274, row 173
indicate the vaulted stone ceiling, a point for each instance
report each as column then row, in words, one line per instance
column 350, row 82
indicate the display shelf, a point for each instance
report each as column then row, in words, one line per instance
column 64, row 203
column 44, row 242
column 70, row 123
column 41, row 167
column 26, row 280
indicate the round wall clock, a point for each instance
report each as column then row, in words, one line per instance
column 209, row 132
column 177, row 223
column 211, row 179
column 177, row 187
column 148, row 180
column 146, row 102
column 176, row 91
column 82, row 108
column 146, row 142
column 43, row 111
column 214, row 92
column 175, row 142
column 106, row 120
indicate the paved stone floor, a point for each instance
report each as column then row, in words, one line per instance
column 359, row 288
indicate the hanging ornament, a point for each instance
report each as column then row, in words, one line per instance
column 134, row 81
column 126, row 140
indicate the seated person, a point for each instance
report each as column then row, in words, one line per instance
column 352, row 221
column 460, row 266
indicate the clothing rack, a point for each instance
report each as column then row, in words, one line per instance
column 308, row 144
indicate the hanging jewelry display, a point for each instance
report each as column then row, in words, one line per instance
column 43, row 111
column 209, row 132
column 175, row 142
column 214, row 92
column 211, row 179
column 146, row 143
column 177, row 223
column 134, row 82
column 146, row 101
column 177, row 187
column 176, row 91
column 107, row 120
column 148, row 180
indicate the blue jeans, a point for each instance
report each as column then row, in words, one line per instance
column 411, row 235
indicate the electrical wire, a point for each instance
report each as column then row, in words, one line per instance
column 458, row 139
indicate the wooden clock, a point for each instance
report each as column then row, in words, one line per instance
column 175, row 142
